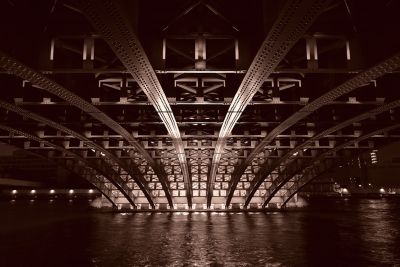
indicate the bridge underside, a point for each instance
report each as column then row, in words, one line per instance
column 199, row 104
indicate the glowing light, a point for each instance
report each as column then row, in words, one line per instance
column 33, row 191
column 71, row 191
column 345, row 191
column 90, row 191
column 359, row 185
column 382, row 191
column 52, row 191
column 14, row 192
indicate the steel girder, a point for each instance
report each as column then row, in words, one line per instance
column 390, row 64
column 110, row 158
column 315, row 164
column 108, row 20
column 269, row 167
column 293, row 21
column 17, row 68
column 69, row 164
column 99, row 168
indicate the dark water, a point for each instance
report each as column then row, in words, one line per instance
column 327, row 233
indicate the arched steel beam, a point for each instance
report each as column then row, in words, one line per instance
column 17, row 68
column 98, row 181
column 293, row 21
column 311, row 167
column 107, row 18
column 101, row 168
column 270, row 166
column 390, row 64
column 110, row 158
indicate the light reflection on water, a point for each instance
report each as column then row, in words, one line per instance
column 327, row 233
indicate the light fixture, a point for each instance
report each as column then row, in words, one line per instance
column 33, row 191
column 14, row 192
column 52, row 191
column 71, row 191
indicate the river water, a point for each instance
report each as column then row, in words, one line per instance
column 334, row 232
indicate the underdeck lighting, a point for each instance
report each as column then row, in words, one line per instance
column 33, row 191
column 71, row 191
column 382, row 191
column 90, row 191
column 52, row 191
column 345, row 191
column 14, row 192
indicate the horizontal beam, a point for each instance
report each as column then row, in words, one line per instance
column 19, row 182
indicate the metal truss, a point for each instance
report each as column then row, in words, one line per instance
column 388, row 65
column 97, row 166
column 17, row 68
column 319, row 166
column 108, row 20
column 110, row 158
column 270, row 166
column 294, row 19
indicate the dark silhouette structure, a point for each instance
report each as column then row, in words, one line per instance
column 199, row 103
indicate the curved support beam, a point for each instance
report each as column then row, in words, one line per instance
column 101, row 168
column 293, row 21
column 108, row 20
column 390, row 64
column 283, row 178
column 18, row 69
column 268, row 168
column 314, row 173
column 316, row 162
column 133, row 171
column 98, row 181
